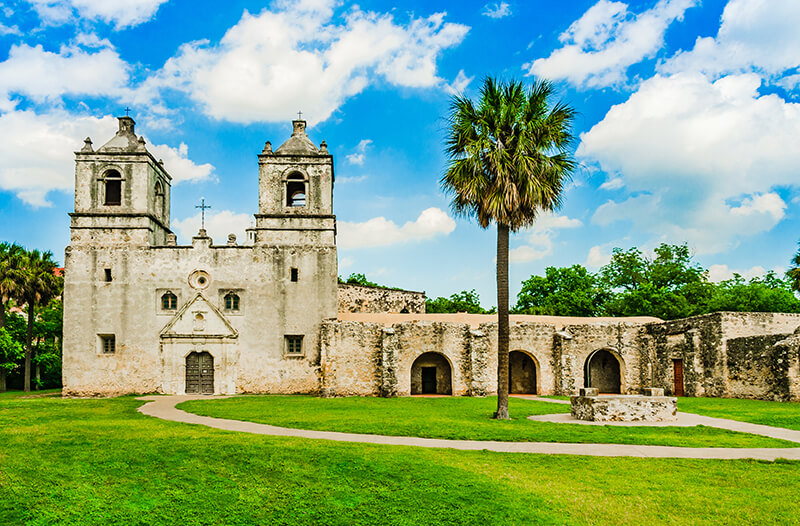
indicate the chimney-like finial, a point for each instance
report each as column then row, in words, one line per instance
column 126, row 126
column 323, row 148
column 87, row 145
column 298, row 127
column 267, row 148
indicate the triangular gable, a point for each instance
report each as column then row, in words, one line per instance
column 199, row 318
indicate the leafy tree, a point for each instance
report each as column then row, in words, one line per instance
column 10, row 354
column 566, row 291
column 360, row 279
column 767, row 294
column 10, row 282
column 508, row 162
column 38, row 286
column 794, row 273
column 464, row 301
column 668, row 286
column 48, row 333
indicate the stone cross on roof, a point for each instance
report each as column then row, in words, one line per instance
column 203, row 207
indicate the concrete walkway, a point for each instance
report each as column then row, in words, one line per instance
column 164, row 407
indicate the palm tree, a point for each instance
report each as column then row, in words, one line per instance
column 509, row 161
column 794, row 272
column 10, row 258
column 39, row 286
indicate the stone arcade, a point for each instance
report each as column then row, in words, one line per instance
column 143, row 314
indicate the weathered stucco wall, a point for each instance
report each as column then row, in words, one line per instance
column 357, row 298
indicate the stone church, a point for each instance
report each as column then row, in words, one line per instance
column 143, row 314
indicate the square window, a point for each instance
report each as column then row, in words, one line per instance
column 107, row 275
column 108, row 344
column 295, row 274
column 294, row 345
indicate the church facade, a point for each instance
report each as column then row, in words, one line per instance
column 143, row 314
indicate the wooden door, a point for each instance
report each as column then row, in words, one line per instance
column 429, row 380
column 677, row 368
column 200, row 373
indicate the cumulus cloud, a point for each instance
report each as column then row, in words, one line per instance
column 601, row 45
column 599, row 255
column 497, row 10
column 380, row 231
column 701, row 158
column 298, row 56
column 717, row 273
column 350, row 180
column 218, row 225
column 753, row 35
column 121, row 13
column 45, row 76
column 539, row 238
column 38, row 152
column 358, row 156
column 459, row 83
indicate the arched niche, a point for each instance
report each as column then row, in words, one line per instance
column 431, row 373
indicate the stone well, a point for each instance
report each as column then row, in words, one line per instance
column 652, row 407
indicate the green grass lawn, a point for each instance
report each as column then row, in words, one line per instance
column 99, row 462
column 456, row 418
column 779, row 414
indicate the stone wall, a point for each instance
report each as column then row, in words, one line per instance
column 357, row 298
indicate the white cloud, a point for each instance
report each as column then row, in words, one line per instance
column 459, row 84
column 601, row 45
column 380, row 231
column 598, row 256
column 218, row 225
column 9, row 30
column 38, row 152
column 717, row 273
column 613, row 184
column 178, row 164
column 346, row 262
column 497, row 10
column 45, row 76
column 756, row 35
column 540, row 237
column 350, row 180
column 297, row 57
column 700, row 158
column 122, row 13
column 358, row 156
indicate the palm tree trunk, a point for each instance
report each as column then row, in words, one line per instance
column 2, row 380
column 2, row 315
column 502, row 322
column 28, row 348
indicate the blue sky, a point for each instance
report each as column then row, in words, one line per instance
column 687, row 130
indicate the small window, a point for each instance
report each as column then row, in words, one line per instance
column 294, row 345
column 295, row 190
column 107, row 275
column 108, row 344
column 161, row 211
column 113, row 188
column 231, row 302
column 169, row 301
column 294, row 274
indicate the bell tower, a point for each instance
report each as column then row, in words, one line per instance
column 295, row 202
column 122, row 193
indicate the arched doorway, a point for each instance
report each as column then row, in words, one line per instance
column 602, row 371
column 431, row 374
column 521, row 373
column 199, row 373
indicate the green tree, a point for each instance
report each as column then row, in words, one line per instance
column 566, row 291
column 360, row 279
column 10, row 279
column 38, row 286
column 508, row 162
column 464, row 301
column 10, row 354
column 669, row 285
column 766, row 294
column 794, row 273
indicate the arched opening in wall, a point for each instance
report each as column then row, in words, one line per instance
column 161, row 211
column 602, row 371
column 112, row 188
column 295, row 190
column 199, row 373
column 431, row 374
column 521, row 373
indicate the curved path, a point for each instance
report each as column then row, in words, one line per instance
column 164, row 407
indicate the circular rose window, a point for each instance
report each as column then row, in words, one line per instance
column 199, row 279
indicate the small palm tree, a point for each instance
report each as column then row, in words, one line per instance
column 39, row 286
column 794, row 272
column 509, row 161
column 10, row 259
